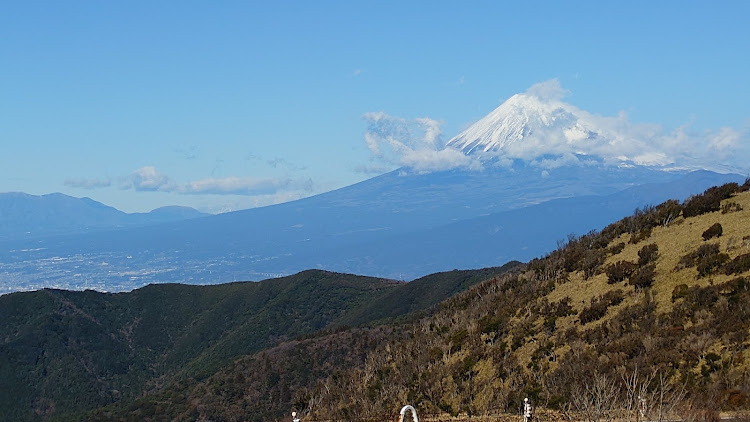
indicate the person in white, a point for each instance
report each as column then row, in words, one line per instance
column 527, row 415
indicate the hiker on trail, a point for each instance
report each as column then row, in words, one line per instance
column 527, row 411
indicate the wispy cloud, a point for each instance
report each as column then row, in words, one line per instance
column 372, row 169
column 92, row 183
column 550, row 90
column 245, row 186
column 616, row 139
column 277, row 162
column 186, row 152
column 150, row 179
column 414, row 143
column 234, row 203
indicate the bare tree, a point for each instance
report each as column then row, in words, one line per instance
column 652, row 397
column 635, row 404
column 596, row 401
column 666, row 397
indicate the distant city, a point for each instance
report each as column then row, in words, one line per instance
column 113, row 272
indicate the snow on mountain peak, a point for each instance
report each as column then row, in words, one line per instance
column 527, row 126
column 517, row 118
column 539, row 128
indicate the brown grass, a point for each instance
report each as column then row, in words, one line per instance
column 673, row 241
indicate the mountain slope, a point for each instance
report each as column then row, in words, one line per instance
column 65, row 352
column 24, row 216
column 672, row 323
column 520, row 234
column 417, row 216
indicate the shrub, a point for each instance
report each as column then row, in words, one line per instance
column 615, row 249
column 549, row 324
column 710, row 200
column 708, row 265
column 619, row 271
column 563, row 307
column 648, row 254
column 714, row 231
column 594, row 312
column 738, row 265
column 598, row 307
column 667, row 212
column 706, row 258
column 691, row 259
column 643, row 277
column 679, row 291
column 592, row 260
column 640, row 235
column 730, row 207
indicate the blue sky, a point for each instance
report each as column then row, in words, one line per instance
column 227, row 105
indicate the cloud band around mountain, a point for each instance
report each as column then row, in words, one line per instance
column 415, row 143
column 538, row 127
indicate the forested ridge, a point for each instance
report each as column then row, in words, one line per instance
column 656, row 305
column 65, row 353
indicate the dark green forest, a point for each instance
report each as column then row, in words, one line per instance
column 65, row 353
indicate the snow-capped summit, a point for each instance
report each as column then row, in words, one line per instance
column 539, row 128
column 527, row 126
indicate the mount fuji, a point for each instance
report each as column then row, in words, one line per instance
column 539, row 170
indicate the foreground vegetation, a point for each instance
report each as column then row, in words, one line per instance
column 643, row 308
column 65, row 353
column 653, row 307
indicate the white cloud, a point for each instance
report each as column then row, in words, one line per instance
column 538, row 127
column 245, row 186
column 554, row 133
column 372, row 169
column 416, row 143
column 726, row 138
column 234, row 203
column 150, row 179
column 548, row 90
column 93, row 183
column 277, row 162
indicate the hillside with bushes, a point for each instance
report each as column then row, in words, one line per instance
column 649, row 318
column 654, row 307
column 65, row 352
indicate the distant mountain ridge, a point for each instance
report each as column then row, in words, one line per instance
column 395, row 226
column 545, row 167
column 29, row 216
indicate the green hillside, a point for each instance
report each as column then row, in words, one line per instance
column 68, row 352
column 656, row 305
